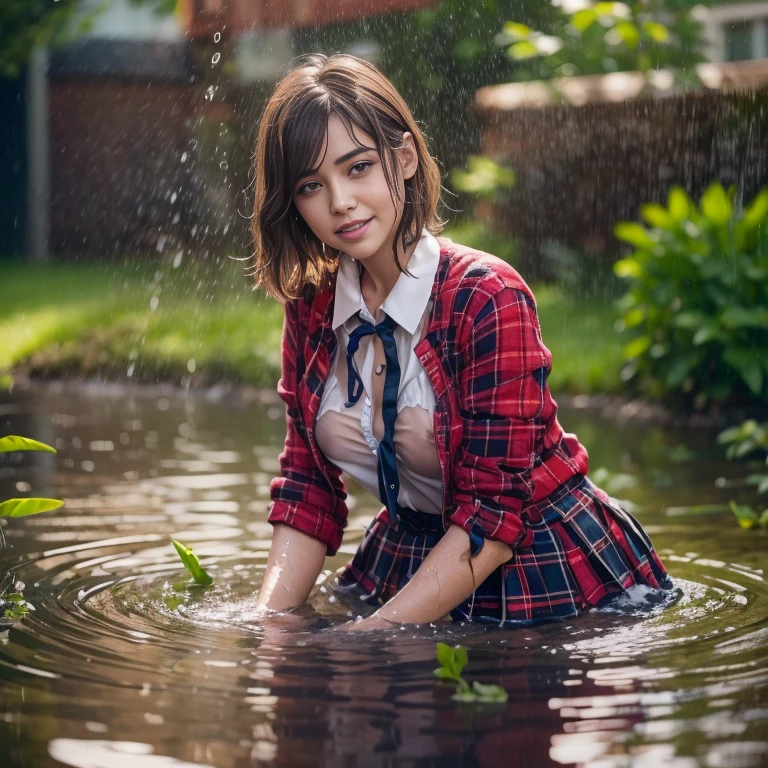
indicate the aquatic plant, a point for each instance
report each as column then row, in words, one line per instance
column 452, row 662
column 744, row 440
column 696, row 312
column 13, row 605
column 19, row 607
column 192, row 564
column 24, row 507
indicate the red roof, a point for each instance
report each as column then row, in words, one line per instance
column 203, row 18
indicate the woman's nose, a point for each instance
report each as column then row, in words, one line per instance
column 342, row 199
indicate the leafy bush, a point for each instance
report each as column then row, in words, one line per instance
column 697, row 305
column 605, row 37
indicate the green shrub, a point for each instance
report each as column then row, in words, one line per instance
column 696, row 310
column 746, row 440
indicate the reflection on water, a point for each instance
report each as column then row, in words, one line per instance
column 123, row 663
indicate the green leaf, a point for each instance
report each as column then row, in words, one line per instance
column 657, row 31
column 522, row 50
column 628, row 33
column 637, row 347
column 635, row 234
column 715, row 204
column 24, row 507
column 630, row 269
column 679, row 204
column 444, row 673
column 583, row 19
column 517, row 31
column 460, row 659
column 657, row 216
column 763, row 521
column 747, row 365
column 745, row 516
column 490, row 692
column 16, row 443
column 757, row 211
column 445, row 655
column 192, row 564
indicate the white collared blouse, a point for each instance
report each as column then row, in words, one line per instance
column 349, row 437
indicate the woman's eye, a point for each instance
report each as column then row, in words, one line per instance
column 306, row 187
column 361, row 166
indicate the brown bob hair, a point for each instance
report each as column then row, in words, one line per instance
column 289, row 260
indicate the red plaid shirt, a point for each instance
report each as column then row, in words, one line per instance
column 500, row 445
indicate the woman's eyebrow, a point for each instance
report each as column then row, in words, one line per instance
column 349, row 155
column 337, row 161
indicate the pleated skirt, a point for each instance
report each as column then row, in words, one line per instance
column 586, row 549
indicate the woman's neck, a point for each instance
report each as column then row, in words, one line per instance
column 378, row 278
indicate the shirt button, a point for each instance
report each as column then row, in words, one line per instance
column 392, row 487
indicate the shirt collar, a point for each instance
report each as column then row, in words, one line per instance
column 406, row 302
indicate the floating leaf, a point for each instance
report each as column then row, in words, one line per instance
column 192, row 564
column 745, row 516
column 24, row 507
column 16, row 443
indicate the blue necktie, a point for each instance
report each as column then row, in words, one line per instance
column 389, row 481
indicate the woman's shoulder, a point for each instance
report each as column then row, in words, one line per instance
column 469, row 269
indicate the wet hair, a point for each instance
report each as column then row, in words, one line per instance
column 289, row 260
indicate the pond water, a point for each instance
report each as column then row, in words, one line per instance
column 122, row 664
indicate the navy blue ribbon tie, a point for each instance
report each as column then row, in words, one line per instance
column 389, row 480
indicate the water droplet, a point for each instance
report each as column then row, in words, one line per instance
column 217, row 37
column 215, row 59
column 88, row 466
column 183, row 157
column 129, row 372
column 23, row 487
column 173, row 197
column 177, row 259
column 153, row 303
column 191, row 365
column 223, row 165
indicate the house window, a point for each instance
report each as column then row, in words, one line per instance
column 745, row 39
column 738, row 40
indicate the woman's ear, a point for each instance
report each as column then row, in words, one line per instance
column 408, row 156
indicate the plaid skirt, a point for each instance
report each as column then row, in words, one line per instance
column 585, row 550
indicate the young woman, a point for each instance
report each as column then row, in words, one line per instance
column 415, row 365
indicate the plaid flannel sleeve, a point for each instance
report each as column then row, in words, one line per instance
column 503, row 391
column 304, row 495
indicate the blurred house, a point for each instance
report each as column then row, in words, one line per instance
column 737, row 31
column 138, row 134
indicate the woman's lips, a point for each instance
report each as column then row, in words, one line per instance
column 355, row 233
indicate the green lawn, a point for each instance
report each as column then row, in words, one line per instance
column 142, row 322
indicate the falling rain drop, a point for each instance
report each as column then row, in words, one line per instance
column 217, row 37
column 215, row 59
column 153, row 303
column 184, row 157
column 173, row 197
column 223, row 165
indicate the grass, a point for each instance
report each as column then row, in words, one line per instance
column 153, row 322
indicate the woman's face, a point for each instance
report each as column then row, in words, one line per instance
column 349, row 190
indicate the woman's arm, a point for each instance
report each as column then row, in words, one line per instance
column 442, row 581
column 294, row 563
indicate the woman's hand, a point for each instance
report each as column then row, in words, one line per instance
column 369, row 624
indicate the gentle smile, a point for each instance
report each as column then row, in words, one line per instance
column 355, row 230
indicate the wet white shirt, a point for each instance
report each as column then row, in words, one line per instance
column 349, row 437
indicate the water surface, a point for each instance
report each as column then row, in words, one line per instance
column 123, row 663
